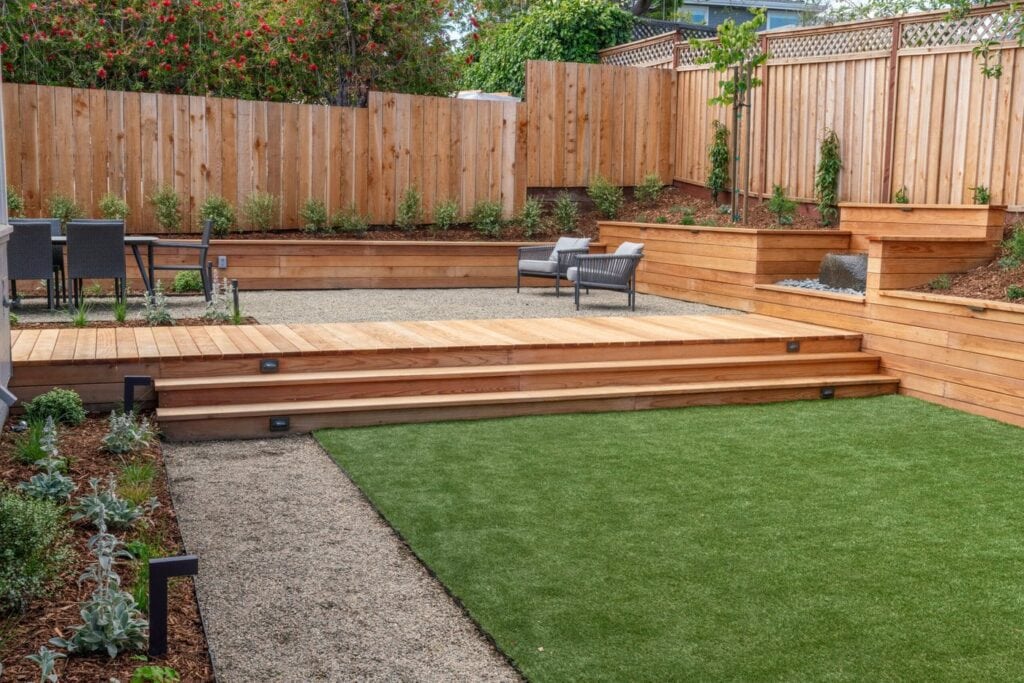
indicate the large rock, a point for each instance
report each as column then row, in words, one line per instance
column 844, row 271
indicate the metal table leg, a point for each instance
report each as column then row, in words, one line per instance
column 146, row 274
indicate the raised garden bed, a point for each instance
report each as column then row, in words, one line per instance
column 54, row 614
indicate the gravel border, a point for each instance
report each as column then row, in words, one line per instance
column 300, row 579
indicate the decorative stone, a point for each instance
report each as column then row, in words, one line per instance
column 844, row 271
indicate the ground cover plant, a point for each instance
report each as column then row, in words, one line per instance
column 873, row 539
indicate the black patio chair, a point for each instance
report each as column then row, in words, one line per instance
column 60, row 278
column 550, row 260
column 96, row 251
column 616, row 272
column 30, row 256
column 202, row 247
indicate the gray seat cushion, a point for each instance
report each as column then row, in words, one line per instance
column 629, row 248
column 528, row 266
column 571, row 274
column 569, row 243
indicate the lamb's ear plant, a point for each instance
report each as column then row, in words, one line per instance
column 127, row 434
column 826, row 180
column 104, row 507
column 50, row 484
column 46, row 660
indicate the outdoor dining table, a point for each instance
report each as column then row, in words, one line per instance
column 135, row 242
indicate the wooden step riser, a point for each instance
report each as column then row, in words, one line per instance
column 258, row 427
column 519, row 382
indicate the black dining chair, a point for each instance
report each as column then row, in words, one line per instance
column 96, row 251
column 30, row 256
column 201, row 247
column 60, row 278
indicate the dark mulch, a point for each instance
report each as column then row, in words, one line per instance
column 23, row 634
column 179, row 322
column 988, row 282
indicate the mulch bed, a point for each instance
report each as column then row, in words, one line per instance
column 988, row 282
column 21, row 635
column 178, row 322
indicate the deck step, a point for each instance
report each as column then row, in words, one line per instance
column 307, row 386
column 252, row 420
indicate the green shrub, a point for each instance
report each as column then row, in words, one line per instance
column 607, row 198
column 187, row 281
column 980, row 194
column 661, row 219
column 410, row 210
column 1015, row 292
column 220, row 213
column 649, row 189
column 63, row 207
column 1014, row 248
column 63, row 405
column 530, row 216
column 15, row 203
column 314, row 216
column 688, row 217
column 446, row 214
column 718, row 155
column 941, row 283
column 486, row 218
column 34, row 548
column 566, row 212
column 152, row 673
column 780, row 205
column 260, row 210
column 350, row 222
column 167, row 207
column 113, row 207
column 826, row 180
column 901, row 196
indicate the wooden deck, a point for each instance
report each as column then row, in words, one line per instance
column 209, row 384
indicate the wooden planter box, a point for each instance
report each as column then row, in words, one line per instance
column 864, row 221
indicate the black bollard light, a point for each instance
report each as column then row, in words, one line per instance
column 130, row 382
column 234, row 297
column 161, row 569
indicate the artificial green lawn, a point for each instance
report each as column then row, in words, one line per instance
column 873, row 539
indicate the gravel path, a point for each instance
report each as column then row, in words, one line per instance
column 301, row 580
column 355, row 305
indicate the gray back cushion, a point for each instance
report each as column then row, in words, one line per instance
column 567, row 243
column 630, row 248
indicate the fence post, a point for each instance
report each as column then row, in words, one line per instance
column 765, row 85
column 885, row 191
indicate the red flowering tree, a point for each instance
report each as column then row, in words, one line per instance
column 282, row 50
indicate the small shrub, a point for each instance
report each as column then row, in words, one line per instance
column 486, row 218
column 167, row 207
column 152, row 673
column 350, row 222
column 63, row 405
column 50, row 485
column 607, row 197
column 113, row 207
column 154, row 308
column 221, row 302
column 63, row 207
column 106, row 508
column 688, row 217
column 783, row 207
column 34, row 548
column 718, row 155
column 941, row 283
column 826, row 180
column 410, row 210
column 1015, row 292
column 446, row 214
column 127, row 434
column 94, row 290
column 112, row 621
column 260, row 210
column 220, row 213
column 1014, row 248
column 661, row 219
column 121, row 310
column 566, row 212
column 187, row 281
column 724, row 209
column 15, row 203
column 314, row 216
column 649, row 190
column 980, row 194
column 531, row 216
column 80, row 315
column 901, row 196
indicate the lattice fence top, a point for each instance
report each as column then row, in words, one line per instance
column 998, row 26
column 648, row 54
column 689, row 55
column 848, row 42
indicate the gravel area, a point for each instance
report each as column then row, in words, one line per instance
column 355, row 305
column 817, row 286
column 301, row 580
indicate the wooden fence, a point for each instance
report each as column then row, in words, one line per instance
column 85, row 143
column 906, row 97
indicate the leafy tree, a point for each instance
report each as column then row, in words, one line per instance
column 736, row 52
column 556, row 30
